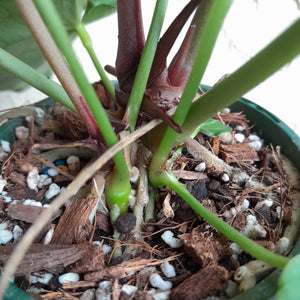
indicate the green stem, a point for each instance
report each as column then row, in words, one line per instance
column 278, row 53
column 248, row 245
column 144, row 68
column 87, row 43
column 178, row 151
column 59, row 34
column 214, row 21
column 34, row 78
column 149, row 210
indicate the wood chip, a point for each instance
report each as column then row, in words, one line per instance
column 74, row 225
column 189, row 175
column 121, row 270
column 18, row 178
column 215, row 145
column 27, row 213
column 41, row 257
column 238, row 153
column 93, row 259
column 79, row 284
column 209, row 281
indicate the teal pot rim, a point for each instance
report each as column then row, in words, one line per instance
column 270, row 128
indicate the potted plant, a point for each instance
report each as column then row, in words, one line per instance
column 147, row 87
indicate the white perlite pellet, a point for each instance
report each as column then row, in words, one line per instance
column 32, row 178
column 48, row 237
column 67, row 277
column 22, row 133
column 39, row 115
column 256, row 145
column 168, row 238
column 88, row 295
column 3, row 226
column 253, row 229
column 236, row 250
column 5, row 236
column 129, row 289
column 7, row 199
column 162, row 295
column 253, row 137
column 239, row 137
column 226, row 110
column 168, row 269
column 43, row 180
column 17, row 233
column 104, row 290
column 32, row 203
column 225, row 178
column 201, row 167
column 2, row 153
column 245, row 204
column 5, row 146
column 226, row 137
column 240, row 128
column 52, row 172
column 266, row 202
column 157, row 282
column 3, row 183
column 282, row 245
column 53, row 190
column 73, row 163
column 280, row 212
column 106, row 249
column 41, row 278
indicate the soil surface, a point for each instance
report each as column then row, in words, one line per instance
column 179, row 255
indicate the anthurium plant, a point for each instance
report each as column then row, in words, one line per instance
column 148, row 88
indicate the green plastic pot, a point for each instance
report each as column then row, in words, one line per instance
column 271, row 129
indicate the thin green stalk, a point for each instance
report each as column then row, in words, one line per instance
column 34, row 78
column 248, row 245
column 178, row 151
column 149, row 210
column 88, row 44
column 144, row 68
column 56, row 61
column 278, row 53
column 215, row 18
column 59, row 34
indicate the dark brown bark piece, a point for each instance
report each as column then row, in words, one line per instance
column 93, row 259
column 215, row 145
column 209, row 281
column 18, row 178
column 103, row 222
column 205, row 248
column 27, row 213
column 238, row 153
column 201, row 247
column 43, row 257
column 74, row 225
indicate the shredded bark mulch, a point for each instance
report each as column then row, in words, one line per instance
column 79, row 238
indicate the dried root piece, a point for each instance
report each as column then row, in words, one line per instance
column 201, row 153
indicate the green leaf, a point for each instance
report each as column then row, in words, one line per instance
column 289, row 281
column 16, row 39
column 213, row 127
column 97, row 9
